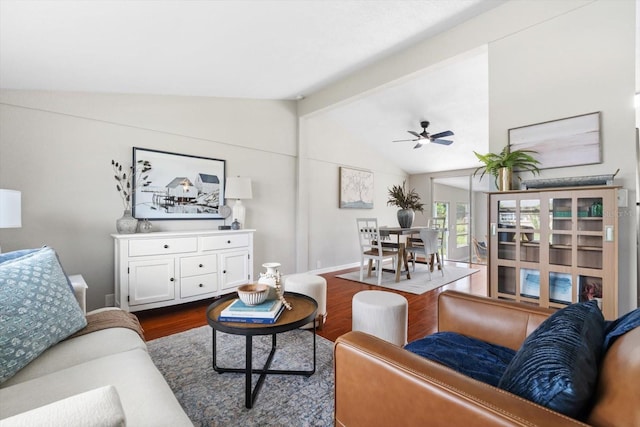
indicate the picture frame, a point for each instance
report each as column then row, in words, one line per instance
column 572, row 141
column 182, row 186
column 529, row 283
column 560, row 287
column 356, row 189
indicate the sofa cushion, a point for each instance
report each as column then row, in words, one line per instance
column 76, row 351
column 557, row 365
column 146, row 397
column 472, row 357
column 96, row 408
column 39, row 309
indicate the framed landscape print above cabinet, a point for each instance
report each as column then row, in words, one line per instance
column 555, row 247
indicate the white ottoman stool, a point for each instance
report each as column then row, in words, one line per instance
column 313, row 286
column 383, row 314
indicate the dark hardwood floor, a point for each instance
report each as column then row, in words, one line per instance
column 422, row 308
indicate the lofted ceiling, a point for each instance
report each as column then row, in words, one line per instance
column 260, row 49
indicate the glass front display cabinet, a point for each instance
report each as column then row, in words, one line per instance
column 554, row 247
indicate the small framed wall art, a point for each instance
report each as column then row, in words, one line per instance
column 356, row 189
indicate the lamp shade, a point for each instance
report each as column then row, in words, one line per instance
column 10, row 209
column 238, row 188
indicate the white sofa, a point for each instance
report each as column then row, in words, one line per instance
column 103, row 378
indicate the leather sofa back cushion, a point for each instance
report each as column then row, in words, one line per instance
column 557, row 365
column 39, row 309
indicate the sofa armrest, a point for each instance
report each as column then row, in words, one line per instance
column 505, row 323
column 80, row 290
column 378, row 383
column 98, row 407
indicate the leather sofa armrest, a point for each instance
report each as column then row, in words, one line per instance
column 501, row 322
column 378, row 383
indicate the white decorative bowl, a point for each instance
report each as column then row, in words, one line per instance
column 253, row 294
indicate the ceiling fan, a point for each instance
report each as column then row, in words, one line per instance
column 424, row 135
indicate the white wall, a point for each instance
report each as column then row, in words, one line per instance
column 330, row 231
column 57, row 149
column 547, row 60
column 575, row 63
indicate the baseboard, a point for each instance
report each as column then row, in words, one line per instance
column 334, row 268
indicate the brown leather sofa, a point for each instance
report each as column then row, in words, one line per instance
column 380, row 384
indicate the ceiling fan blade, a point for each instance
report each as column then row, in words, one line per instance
column 416, row 134
column 404, row 140
column 418, row 145
column 441, row 134
column 442, row 141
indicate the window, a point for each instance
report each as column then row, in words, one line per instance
column 462, row 224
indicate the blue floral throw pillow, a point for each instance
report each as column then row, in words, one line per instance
column 557, row 365
column 38, row 309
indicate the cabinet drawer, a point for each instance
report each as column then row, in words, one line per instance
column 197, row 285
column 195, row 265
column 225, row 242
column 162, row 246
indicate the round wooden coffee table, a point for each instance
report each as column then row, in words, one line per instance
column 303, row 311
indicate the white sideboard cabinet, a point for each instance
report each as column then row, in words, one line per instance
column 167, row 268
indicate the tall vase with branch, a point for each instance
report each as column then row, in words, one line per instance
column 501, row 166
column 407, row 201
column 128, row 180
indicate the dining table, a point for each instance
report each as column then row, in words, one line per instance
column 400, row 245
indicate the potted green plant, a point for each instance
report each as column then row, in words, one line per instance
column 407, row 201
column 501, row 166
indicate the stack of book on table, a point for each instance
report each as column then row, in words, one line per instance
column 266, row 312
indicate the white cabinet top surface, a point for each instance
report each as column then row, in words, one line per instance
column 160, row 234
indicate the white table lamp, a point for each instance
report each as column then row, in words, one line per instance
column 10, row 209
column 238, row 188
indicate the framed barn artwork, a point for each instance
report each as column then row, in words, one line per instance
column 181, row 186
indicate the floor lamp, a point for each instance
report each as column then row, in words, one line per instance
column 238, row 188
column 10, row 209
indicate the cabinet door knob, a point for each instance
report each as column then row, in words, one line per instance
column 224, row 271
column 172, row 279
column 201, row 285
column 200, row 265
column 166, row 246
column 229, row 241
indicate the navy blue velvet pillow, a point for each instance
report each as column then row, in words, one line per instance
column 477, row 359
column 557, row 365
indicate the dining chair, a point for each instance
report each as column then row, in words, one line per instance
column 429, row 248
column 439, row 223
column 371, row 247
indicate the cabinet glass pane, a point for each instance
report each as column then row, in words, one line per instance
column 590, row 288
column 530, row 252
column 590, row 214
column 560, row 212
column 507, row 280
column 560, row 287
column 560, row 249
column 530, row 215
column 507, row 212
column 529, row 283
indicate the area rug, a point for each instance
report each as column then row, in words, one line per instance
column 419, row 282
column 212, row 399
